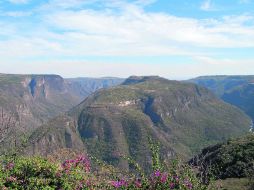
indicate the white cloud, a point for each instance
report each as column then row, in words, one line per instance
column 226, row 66
column 221, row 62
column 120, row 29
column 133, row 30
column 128, row 31
column 203, row 66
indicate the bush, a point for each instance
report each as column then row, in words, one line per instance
column 40, row 173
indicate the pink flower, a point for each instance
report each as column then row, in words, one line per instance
column 176, row 178
column 81, row 161
column 115, row 184
column 157, row 173
column 120, row 183
column 11, row 179
column 58, row 174
column 171, row 185
column 88, row 183
column 138, row 183
column 188, row 184
column 80, row 186
column 10, row 166
column 164, row 178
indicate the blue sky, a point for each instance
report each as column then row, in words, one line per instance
column 176, row 39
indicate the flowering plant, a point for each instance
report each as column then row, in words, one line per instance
column 78, row 173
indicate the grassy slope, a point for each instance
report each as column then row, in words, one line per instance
column 236, row 90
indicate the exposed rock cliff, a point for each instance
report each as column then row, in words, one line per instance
column 28, row 101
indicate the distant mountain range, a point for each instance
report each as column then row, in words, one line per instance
column 236, row 90
column 109, row 117
column 27, row 101
column 84, row 86
column 116, row 121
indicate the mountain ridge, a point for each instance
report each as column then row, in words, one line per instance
column 117, row 120
column 237, row 90
column 29, row 100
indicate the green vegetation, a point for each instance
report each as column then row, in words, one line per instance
column 183, row 117
column 233, row 159
column 80, row 173
column 11, row 79
column 235, row 184
column 221, row 84
column 28, row 101
column 236, row 90
column 41, row 173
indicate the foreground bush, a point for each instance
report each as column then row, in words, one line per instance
column 40, row 173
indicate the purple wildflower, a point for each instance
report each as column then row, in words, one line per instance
column 188, row 184
column 138, row 183
column 171, row 185
column 10, row 166
column 157, row 173
column 176, row 178
column 115, row 184
column 11, row 179
column 164, row 178
column 120, row 183
column 81, row 161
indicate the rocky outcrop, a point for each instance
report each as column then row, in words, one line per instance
column 8, row 123
column 28, row 101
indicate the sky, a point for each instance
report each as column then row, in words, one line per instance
column 176, row 39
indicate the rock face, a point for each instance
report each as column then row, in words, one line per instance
column 236, row 90
column 182, row 117
column 28, row 101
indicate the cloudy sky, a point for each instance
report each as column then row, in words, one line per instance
column 176, row 39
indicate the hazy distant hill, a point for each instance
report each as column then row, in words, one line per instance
column 181, row 116
column 236, row 90
column 86, row 86
column 27, row 101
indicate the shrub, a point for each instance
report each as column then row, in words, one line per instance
column 40, row 173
